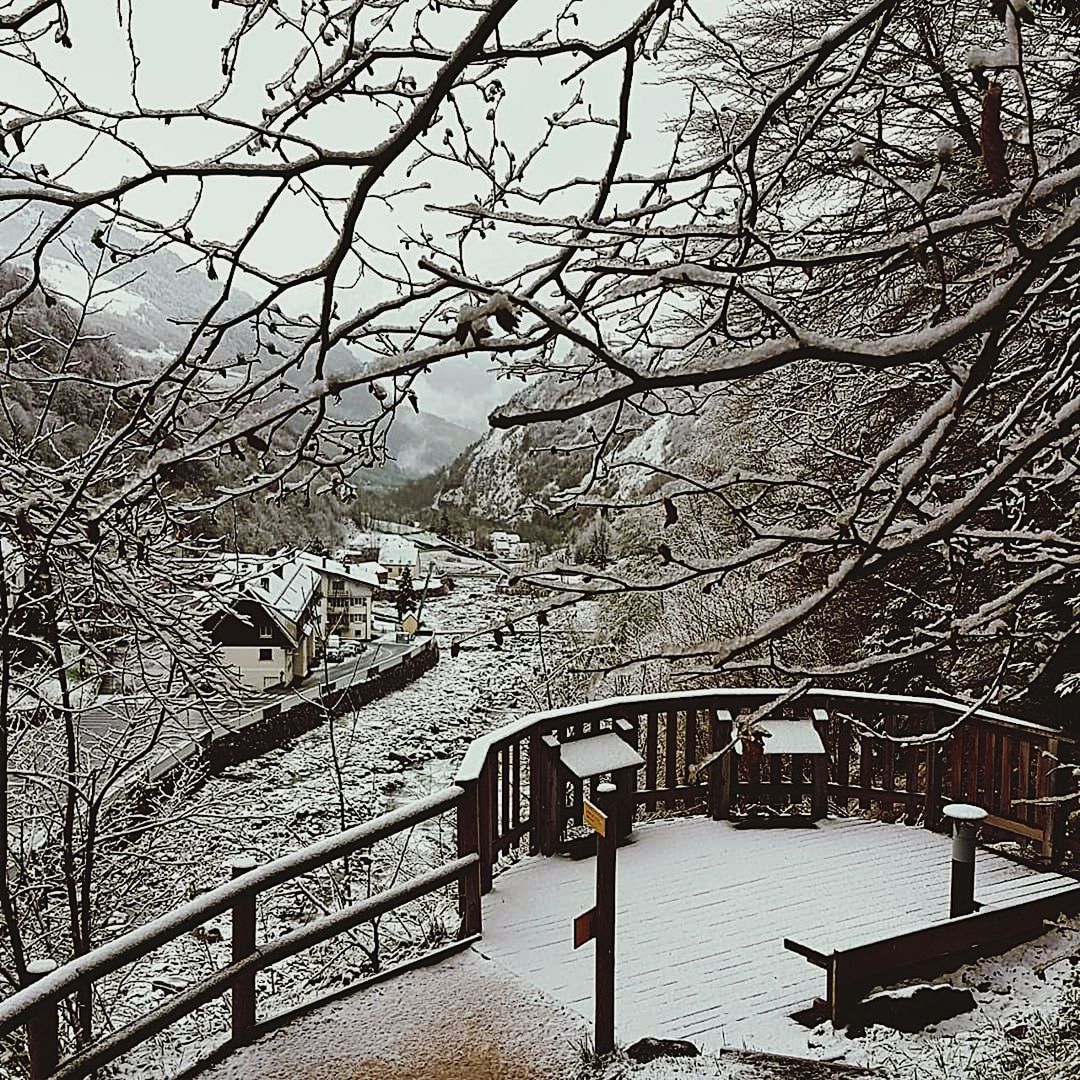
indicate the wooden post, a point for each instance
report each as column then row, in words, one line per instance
column 243, row 945
column 819, row 795
column 551, row 792
column 468, row 843
column 842, row 994
column 536, row 793
column 722, row 774
column 42, row 1028
column 932, row 802
column 486, row 824
column 625, row 786
column 606, row 845
column 626, row 780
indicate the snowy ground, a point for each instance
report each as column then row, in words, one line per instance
column 406, row 745
column 463, row 1019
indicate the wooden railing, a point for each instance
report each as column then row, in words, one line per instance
column 892, row 756
column 36, row 1007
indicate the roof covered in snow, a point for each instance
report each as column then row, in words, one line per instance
column 397, row 551
column 284, row 586
column 366, row 573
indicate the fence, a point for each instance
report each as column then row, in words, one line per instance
column 897, row 757
column 37, row 1005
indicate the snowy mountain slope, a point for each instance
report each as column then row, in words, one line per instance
column 538, row 464
column 148, row 307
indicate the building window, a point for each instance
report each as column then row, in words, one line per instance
column 266, row 654
column 265, row 630
column 337, row 586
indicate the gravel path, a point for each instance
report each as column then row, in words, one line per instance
column 462, row 1019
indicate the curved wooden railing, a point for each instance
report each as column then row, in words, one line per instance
column 896, row 756
column 899, row 757
column 36, row 1006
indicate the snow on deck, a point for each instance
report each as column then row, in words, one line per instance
column 703, row 910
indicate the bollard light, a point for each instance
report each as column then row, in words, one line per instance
column 966, row 820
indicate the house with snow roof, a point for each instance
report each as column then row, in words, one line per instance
column 347, row 591
column 396, row 553
column 266, row 619
column 503, row 543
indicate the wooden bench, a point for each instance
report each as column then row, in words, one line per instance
column 855, row 967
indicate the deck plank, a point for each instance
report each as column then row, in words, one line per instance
column 703, row 908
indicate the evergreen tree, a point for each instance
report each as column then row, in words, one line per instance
column 406, row 595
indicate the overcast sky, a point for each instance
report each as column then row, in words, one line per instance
column 179, row 48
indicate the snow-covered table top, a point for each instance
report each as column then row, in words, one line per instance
column 789, row 737
column 598, row 754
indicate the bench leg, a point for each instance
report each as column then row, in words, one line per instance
column 842, row 997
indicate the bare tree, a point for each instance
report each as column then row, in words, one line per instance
column 856, row 244
column 867, row 242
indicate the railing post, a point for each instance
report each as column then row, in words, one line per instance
column 42, row 1028
column 468, row 843
column 486, row 823
column 722, row 774
column 549, row 807
column 819, row 791
column 536, row 793
column 626, row 780
column 932, row 801
column 243, row 945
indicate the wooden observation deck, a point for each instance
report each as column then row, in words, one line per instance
column 705, row 909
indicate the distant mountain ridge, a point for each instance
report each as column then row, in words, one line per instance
column 130, row 311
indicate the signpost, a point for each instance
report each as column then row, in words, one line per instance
column 594, row 818
column 599, row 922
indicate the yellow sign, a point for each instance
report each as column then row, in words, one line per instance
column 409, row 624
column 594, row 818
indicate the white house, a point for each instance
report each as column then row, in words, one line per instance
column 267, row 630
column 347, row 591
column 396, row 553
column 522, row 551
column 13, row 565
column 503, row 543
